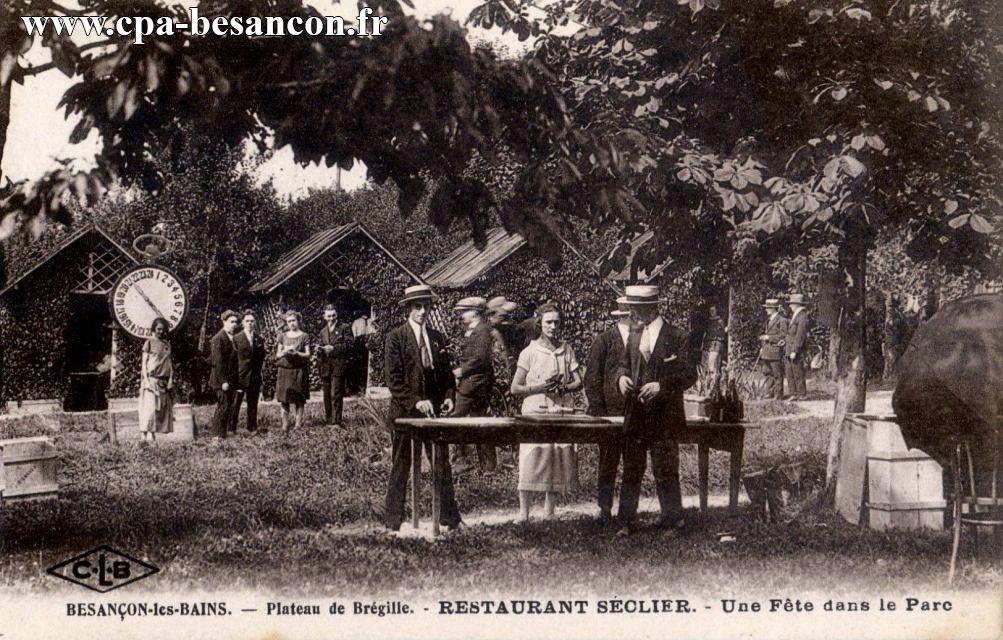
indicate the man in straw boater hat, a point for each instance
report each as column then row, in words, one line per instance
column 654, row 371
column 771, row 348
column 604, row 398
column 422, row 385
column 796, row 345
column 475, row 378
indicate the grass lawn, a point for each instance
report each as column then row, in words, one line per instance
column 301, row 515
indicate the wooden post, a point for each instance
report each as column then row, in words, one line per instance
column 437, row 480
column 703, row 466
column 415, row 479
column 112, row 432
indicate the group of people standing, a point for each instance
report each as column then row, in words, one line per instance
column 783, row 350
column 637, row 369
column 237, row 356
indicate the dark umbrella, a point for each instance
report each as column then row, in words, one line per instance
column 950, row 381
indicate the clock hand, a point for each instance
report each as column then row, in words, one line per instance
column 148, row 301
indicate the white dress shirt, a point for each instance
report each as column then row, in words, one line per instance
column 624, row 330
column 649, row 336
column 420, row 332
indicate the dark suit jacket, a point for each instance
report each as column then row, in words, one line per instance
column 797, row 333
column 776, row 332
column 408, row 381
column 601, row 374
column 477, row 374
column 223, row 358
column 670, row 366
column 250, row 358
column 336, row 363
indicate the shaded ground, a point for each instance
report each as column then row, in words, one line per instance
column 300, row 515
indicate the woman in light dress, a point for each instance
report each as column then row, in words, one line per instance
column 292, row 359
column 156, row 381
column 545, row 377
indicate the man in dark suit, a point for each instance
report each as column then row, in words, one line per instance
column 654, row 371
column 475, row 378
column 416, row 362
column 250, row 358
column 224, row 377
column 604, row 398
column 795, row 346
column 337, row 345
column 771, row 350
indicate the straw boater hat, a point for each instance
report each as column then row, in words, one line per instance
column 798, row 299
column 622, row 310
column 473, row 303
column 417, row 292
column 639, row 294
column 772, row 303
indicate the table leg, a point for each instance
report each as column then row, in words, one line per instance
column 703, row 465
column 415, row 479
column 735, row 476
column 437, row 462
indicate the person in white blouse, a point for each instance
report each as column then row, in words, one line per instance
column 545, row 378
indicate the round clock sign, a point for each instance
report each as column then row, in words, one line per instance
column 144, row 294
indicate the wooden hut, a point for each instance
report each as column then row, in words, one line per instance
column 507, row 267
column 346, row 266
column 59, row 338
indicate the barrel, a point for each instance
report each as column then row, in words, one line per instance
column 184, row 423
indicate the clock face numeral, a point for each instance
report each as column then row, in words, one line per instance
column 145, row 294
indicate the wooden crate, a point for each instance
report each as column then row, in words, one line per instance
column 29, row 468
column 905, row 490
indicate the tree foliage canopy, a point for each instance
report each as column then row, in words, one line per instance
column 414, row 105
column 790, row 124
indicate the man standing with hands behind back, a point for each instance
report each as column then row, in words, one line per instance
column 654, row 371
column 416, row 360
column 224, row 377
column 335, row 356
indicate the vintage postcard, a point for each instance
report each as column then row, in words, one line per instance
column 501, row 319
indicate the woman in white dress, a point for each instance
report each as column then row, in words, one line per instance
column 156, row 382
column 545, row 377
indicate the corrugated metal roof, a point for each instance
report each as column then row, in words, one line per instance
column 467, row 263
column 642, row 276
column 314, row 247
column 64, row 244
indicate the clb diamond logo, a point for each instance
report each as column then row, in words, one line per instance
column 102, row 569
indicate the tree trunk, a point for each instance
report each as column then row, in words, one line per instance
column 731, row 347
column 850, row 392
column 888, row 338
column 835, row 343
column 5, row 96
column 851, row 383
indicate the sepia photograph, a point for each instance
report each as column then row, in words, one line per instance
column 501, row 319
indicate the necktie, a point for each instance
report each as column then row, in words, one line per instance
column 426, row 357
column 645, row 345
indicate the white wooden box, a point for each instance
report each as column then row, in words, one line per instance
column 905, row 490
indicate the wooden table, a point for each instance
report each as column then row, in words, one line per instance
column 723, row 436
